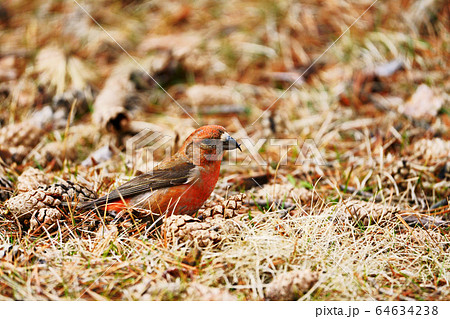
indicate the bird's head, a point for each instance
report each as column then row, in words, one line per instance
column 208, row 143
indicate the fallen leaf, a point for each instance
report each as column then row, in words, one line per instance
column 425, row 102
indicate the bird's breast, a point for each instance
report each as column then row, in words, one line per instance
column 187, row 198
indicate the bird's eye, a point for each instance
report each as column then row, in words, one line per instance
column 210, row 144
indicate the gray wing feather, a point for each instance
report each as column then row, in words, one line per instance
column 159, row 178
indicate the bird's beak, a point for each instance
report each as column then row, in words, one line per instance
column 230, row 143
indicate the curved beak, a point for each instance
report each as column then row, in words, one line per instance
column 230, row 143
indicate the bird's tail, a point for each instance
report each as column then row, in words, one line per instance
column 99, row 204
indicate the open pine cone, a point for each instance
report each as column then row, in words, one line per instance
column 47, row 217
column 211, row 226
column 227, row 209
column 17, row 140
column 363, row 212
column 291, row 285
column 41, row 205
column 24, row 133
column 182, row 228
column 403, row 174
column 31, row 179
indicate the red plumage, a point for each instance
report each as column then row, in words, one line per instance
column 178, row 185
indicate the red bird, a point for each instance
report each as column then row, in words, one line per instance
column 178, row 185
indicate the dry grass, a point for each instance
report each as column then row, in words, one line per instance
column 344, row 224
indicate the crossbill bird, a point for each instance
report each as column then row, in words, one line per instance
column 179, row 184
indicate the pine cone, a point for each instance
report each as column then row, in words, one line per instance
column 182, row 228
column 291, row 285
column 57, row 151
column 363, row 212
column 68, row 191
column 47, row 217
column 14, row 154
column 403, row 174
column 17, row 140
column 31, row 179
column 25, row 205
column 6, row 188
column 24, row 134
column 227, row 209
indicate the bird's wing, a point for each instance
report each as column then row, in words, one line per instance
column 178, row 174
